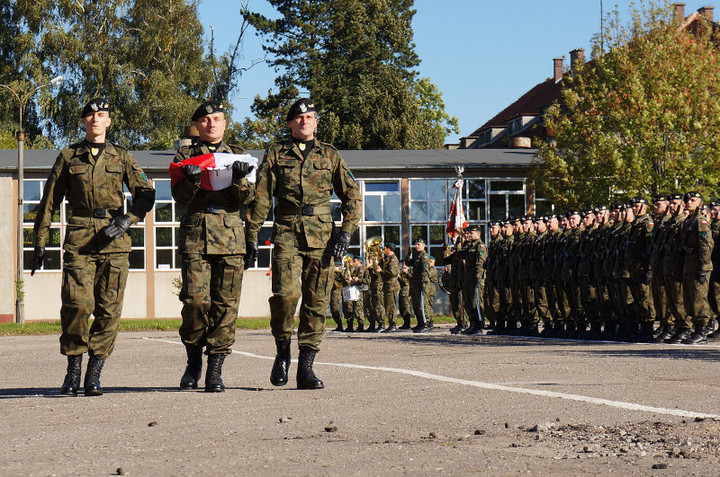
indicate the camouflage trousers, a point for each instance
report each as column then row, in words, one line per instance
column 492, row 300
column 676, row 308
column 92, row 284
column 714, row 298
column 405, row 305
column 336, row 305
column 210, row 295
column 697, row 310
column 354, row 310
column 473, row 301
column 389, row 298
column 456, row 303
column 311, row 268
column 660, row 298
column 377, row 303
column 422, row 305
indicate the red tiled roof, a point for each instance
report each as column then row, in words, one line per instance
column 541, row 95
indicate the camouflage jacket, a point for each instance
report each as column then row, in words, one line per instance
column 715, row 230
column 697, row 244
column 302, row 189
column 429, row 287
column 94, row 191
column 472, row 264
column 638, row 251
column 213, row 220
column 672, row 262
column 420, row 269
column 390, row 272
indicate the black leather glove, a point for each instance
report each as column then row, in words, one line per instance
column 251, row 252
column 342, row 240
column 240, row 170
column 38, row 258
column 118, row 226
column 648, row 277
column 192, row 172
column 702, row 276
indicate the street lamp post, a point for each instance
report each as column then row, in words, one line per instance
column 22, row 101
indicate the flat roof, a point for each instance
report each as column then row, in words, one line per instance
column 36, row 160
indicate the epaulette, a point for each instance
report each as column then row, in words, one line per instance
column 118, row 146
column 328, row 145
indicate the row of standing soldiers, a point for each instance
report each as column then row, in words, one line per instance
column 381, row 283
column 602, row 273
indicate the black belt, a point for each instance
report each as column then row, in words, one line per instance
column 214, row 209
column 97, row 213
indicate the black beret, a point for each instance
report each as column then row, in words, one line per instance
column 551, row 216
column 675, row 196
column 501, row 223
column 301, row 106
column 572, row 212
column 208, row 107
column 600, row 207
column 495, row 222
column 660, row 198
column 472, row 228
column 616, row 206
column 715, row 202
column 692, row 194
column 638, row 200
column 97, row 104
column 587, row 212
column 420, row 240
column 627, row 205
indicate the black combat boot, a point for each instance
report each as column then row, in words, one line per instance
column 430, row 324
column 699, row 336
column 595, row 332
column 361, row 327
column 420, row 328
column 645, row 333
column 681, row 335
column 406, row 324
column 306, row 378
column 92, row 376
column 193, row 370
column 72, row 378
column 349, row 328
column 338, row 327
column 213, row 375
column 456, row 329
column 474, row 329
column 666, row 332
column 279, row 373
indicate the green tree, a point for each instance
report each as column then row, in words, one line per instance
column 642, row 117
column 357, row 61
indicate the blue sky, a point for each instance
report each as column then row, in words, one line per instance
column 482, row 54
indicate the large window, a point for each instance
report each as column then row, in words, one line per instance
column 428, row 200
column 32, row 194
column 507, row 199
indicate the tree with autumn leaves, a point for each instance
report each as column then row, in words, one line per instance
column 642, row 117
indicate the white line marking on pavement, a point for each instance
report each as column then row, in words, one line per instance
column 496, row 387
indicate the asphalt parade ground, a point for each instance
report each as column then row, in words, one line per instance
column 393, row 404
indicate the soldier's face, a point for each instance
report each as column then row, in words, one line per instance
column 588, row 220
column 527, row 226
column 96, row 125
column 574, row 220
column 602, row 216
column 715, row 212
column 475, row 235
column 419, row 246
column 494, row 230
column 508, row 229
column 303, row 126
column 211, row 127
column 540, row 226
column 553, row 223
column 639, row 209
column 661, row 207
column 693, row 203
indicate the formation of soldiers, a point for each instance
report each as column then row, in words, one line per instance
column 608, row 272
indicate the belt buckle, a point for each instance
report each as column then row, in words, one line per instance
column 99, row 213
column 212, row 209
column 308, row 210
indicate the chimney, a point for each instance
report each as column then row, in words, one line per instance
column 557, row 69
column 678, row 13
column 577, row 58
column 706, row 12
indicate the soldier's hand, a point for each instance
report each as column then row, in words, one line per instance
column 240, row 169
column 38, row 257
column 118, row 226
column 648, row 277
column 251, row 252
column 702, row 276
column 192, row 172
column 342, row 240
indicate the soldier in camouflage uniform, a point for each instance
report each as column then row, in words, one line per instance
column 714, row 288
column 503, row 278
column 429, row 293
column 661, row 219
column 670, row 267
column 492, row 292
column 549, row 275
column 391, row 287
column 529, row 318
column 472, row 277
column 212, row 244
column 374, row 305
column 301, row 173
column 405, row 305
column 420, row 263
column 586, row 275
column 637, row 257
column 537, row 279
column 452, row 271
column 336, row 296
column 90, row 175
column 358, row 277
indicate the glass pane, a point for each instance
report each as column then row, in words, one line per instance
column 516, row 205
column 137, row 259
column 543, row 207
column 373, row 208
column 373, row 231
column 355, row 240
column 354, row 250
column 418, row 231
column 163, row 237
column 27, row 260
column 392, row 210
column 162, row 190
column 264, row 235
column 437, row 211
column 336, row 211
column 437, row 189
column 137, row 235
column 52, row 260
column 497, row 207
column 178, row 259
column 476, row 210
column 382, row 187
column 28, row 237
column 56, row 215
column 437, row 234
column 437, row 252
column 476, row 189
column 507, row 185
column 392, row 234
column 29, row 212
column 418, row 190
column 163, row 212
column 163, row 259
column 418, row 211
column 263, row 258
column 53, row 237
column 31, row 190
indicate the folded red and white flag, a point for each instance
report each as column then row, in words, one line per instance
column 216, row 169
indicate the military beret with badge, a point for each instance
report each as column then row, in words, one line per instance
column 208, row 107
column 94, row 106
column 301, row 106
